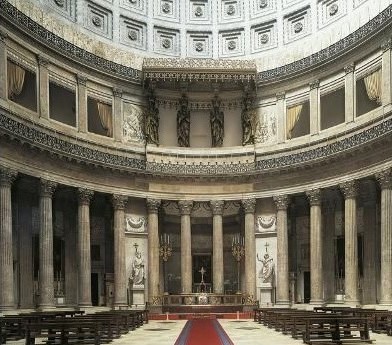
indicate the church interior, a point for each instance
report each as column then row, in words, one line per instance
column 185, row 166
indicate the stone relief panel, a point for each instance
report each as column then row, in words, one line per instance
column 167, row 10
column 199, row 44
column 266, row 223
column 133, row 125
column 135, row 5
column 166, row 41
column 328, row 11
column 66, row 8
column 199, row 11
column 136, row 262
column 264, row 36
column 297, row 24
column 135, row 223
column 260, row 8
column 231, row 42
column 266, row 126
column 230, row 10
column 98, row 19
column 133, row 33
column 266, row 261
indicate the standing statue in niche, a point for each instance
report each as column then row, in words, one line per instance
column 217, row 119
column 268, row 267
column 183, row 123
column 248, row 120
column 152, row 121
column 137, row 272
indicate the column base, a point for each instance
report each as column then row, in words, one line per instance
column 283, row 304
column 46, row 307
column 120, row 306
column 317, row 303
column 7, row 307
column 352, row 304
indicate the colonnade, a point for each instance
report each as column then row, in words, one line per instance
column 348, row 189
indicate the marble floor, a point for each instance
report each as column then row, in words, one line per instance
column 241, row 332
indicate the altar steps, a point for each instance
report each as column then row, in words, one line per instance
column 191, row 316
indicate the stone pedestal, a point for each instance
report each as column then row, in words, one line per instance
column 266, row 295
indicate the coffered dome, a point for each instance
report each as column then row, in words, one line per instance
column 273, row 32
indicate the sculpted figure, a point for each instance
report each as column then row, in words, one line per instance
column 183, row 123
column 217, row 118
column 152, row 121
column 248, row 120
column 138, row 269
column 267, row 270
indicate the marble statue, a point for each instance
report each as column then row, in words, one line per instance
column 138, row 269
column 183, row 123
column 152, row 121
column 267, row 270
column 217, row 118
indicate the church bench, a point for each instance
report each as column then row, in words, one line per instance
column 336, row 330
column 258, row 313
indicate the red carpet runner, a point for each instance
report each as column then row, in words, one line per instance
column 203, row 332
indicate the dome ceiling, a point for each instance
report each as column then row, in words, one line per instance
column 275, row 32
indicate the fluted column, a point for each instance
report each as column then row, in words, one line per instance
column 46, row 276
column 217, row 245
column 120, row 279
column 349, row 190
column 153, row 250
column 7, row 299
column 84, row 267
column 385, row 180
column 316, row 247
column 117, row 114
column 328, row 250
column 281, row 110
column 282, row 271
column 368, row 198
column 386, row 71
column 186, row 246
column 314, row 106
column 349, row 89
column 250, row 248
column 82, row 104
column 43, row 87
column 3, row 65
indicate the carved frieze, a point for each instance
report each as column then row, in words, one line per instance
column 133, row 123
column 135, row 223
column 266, row 223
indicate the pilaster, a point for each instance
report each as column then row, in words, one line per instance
column 117, row 114
column 386, row 88
column 217, row 246
column 349, row 89
column 281, row 116
column 43, row 78
column 3, row 64
column 82, row 104
column 314, row 107
column 186, row 245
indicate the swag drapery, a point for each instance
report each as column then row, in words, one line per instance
column 105, row 116
column 373, row 86
column 293, row 114
column 16, row 76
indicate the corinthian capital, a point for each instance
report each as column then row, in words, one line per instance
column 81, row 79
column 153, row 205
column 349, row 68
column 249, row 205
column 7, row 176
column 119, row 201
column 314, row 197
column 47, row 188
column 185, row 206
column 84, row 196
column 217, row 207
column 384, row 178
column 314, row 84
column 349, row 189
column 281, row 201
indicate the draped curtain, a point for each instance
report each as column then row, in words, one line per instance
column 293, row 114
column 16, row 75
column 105, row 116
column 373, row 86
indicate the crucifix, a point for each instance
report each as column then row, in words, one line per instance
column 266, row 247
column 202, row 271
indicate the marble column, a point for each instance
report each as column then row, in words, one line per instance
column 84, row 245
column 120, row 278
column 43, row 87
column 386, row 71
column 217, row 245
column 314, row 106
column 281, row 110
column 316, row 248
column 349, row 89
column 82, row 104
column 328, row 250
column 153, row 250
column 385, row 180
column 186, row 245
column 3, row 65
column 7, row 299
column 368, row 198
column 117, row 114
column 248, row 206
column 349, row 190
column 282, row 268
column 46, row 275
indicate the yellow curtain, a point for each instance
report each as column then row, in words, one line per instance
column 293, row 114
column 105, row 115
column 373, row 86
column 16, row 75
